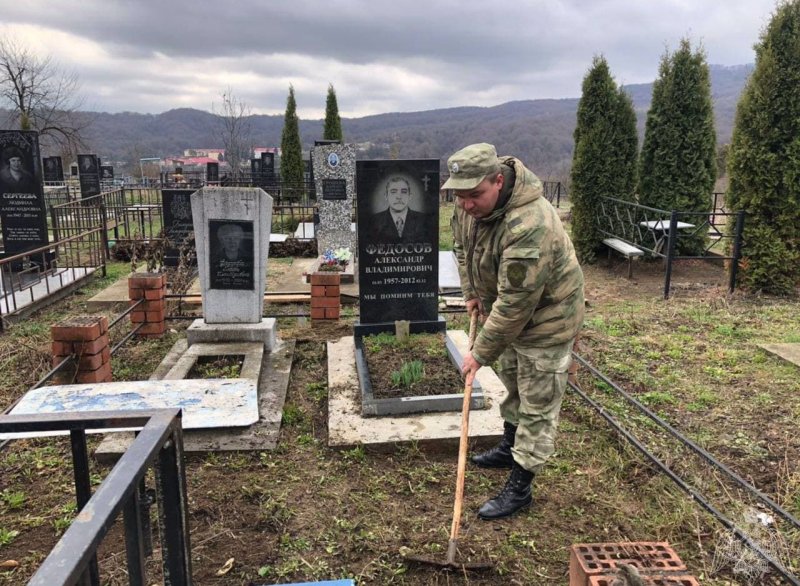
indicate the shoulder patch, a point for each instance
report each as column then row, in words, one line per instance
column 516, row 226
column 516, row 273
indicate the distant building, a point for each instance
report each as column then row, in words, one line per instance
column 216, row 154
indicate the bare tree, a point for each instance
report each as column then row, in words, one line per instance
column 235, row 130
column 42, row 97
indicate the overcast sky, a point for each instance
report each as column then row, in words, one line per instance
column 398, row 56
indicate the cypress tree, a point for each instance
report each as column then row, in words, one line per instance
column 678, row 162
column 764, row 158
column 603, row 163
column 291, row 150
column 333, row 124
column 625, row 148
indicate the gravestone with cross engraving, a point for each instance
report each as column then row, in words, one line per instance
column 334, row 178
column 398, row 240
column 231, row 227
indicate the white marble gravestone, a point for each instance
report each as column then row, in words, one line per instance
column 232, row 226
column 334, row 179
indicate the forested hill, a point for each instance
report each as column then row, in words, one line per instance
column 537, row 131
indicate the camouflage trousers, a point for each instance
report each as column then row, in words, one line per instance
column 535, row 380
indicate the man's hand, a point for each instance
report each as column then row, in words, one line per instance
column 469, row 364
column 475, row 305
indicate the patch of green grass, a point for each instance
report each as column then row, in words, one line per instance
column 7, row 535
column 13, row 499
column 409, row 373
column 293, row 415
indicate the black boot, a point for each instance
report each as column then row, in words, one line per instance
column 500, row 455
column 515, row 496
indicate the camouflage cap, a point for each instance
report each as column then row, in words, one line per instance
column 469, row 166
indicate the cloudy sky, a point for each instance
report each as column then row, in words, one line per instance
column 398, row 56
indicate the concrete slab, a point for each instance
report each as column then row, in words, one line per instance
column 206, row 403
column 448, row 271
column 261, row 435
column 346, row 427
column 265, row 332
column 789, row 352
column 253, row 353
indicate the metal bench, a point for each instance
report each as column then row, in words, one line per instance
column 629, row 251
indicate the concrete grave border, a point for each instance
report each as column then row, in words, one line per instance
column 346, row 426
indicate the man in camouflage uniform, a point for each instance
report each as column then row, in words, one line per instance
column 518, row 269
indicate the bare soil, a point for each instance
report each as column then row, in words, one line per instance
column 440, row 375
column 307, row 512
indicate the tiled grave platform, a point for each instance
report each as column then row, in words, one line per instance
column 261, row 435
column 346, row 426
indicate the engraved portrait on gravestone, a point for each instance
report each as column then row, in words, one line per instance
column 232, row 256
column 398, row 222
column 14, row 174
column 87, row 164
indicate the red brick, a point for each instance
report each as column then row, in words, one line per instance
column 332, row 291
column 324, row 302
column 155, row 316
column 332, row 312
column 61, row 348
column 155, row 305
column 317, row 313
column 318, row 290
column 154, row 294
column 92, row 347
column 325, row 278
column 91, row 362
column 100, row 375
column 597, row 559
column 650, row 580
column 147, row 280
column 138, row 317
column 81, row 328
column 155, row 329
column 135, row 292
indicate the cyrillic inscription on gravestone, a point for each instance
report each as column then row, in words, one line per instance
column 232, row 263
column 398, row 240
column 177, row 211
column 22, row 208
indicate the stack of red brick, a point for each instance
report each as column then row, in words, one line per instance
column 152, row 288
column 597, row 564
column 85, row 337
column 325, row 301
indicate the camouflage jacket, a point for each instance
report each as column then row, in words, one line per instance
column 521, row 264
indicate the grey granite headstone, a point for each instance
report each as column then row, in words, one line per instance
column 231, row 226
column 334, row 180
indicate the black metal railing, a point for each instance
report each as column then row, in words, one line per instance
column 659, row 232
column 36, row 274
column 159, row 444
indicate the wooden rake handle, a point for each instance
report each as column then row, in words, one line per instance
column 462, row 449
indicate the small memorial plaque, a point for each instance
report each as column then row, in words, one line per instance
column 232, row 259
column 334, row 189
column 212, row 172
column 106, row 172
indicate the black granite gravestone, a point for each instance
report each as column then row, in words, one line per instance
column 106, row 172
column 23, row 212
column 212, row 172
column 232, row 258
column 268, row 164
column 177, row 210
column 53, row 170
column 89, row 175
column 398, row 240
